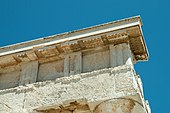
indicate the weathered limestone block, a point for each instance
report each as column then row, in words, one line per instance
column 29, row 72
column 73, row 64
column 120, row 54
column 127, row 54
column 50, row 71
column 11, row 101
column 120, row 106
column 84, row 71
column 113, row 56
column 96, row 61
column 95, row 87
column 125, row 81
column 9, row 80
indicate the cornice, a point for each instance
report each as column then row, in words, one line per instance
column 116, row 32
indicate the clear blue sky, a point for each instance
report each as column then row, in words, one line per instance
column 23, row 20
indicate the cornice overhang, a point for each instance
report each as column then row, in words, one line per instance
column 116, row 32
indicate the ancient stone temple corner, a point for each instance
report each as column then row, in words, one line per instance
column 90, row 70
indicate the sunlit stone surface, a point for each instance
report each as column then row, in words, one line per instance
column 84, row 71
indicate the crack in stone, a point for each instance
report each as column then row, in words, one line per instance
column 6, row 105
column 24, row 99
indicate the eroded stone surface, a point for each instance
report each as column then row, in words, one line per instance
column 85, row 71
column 94, row 87
column 119, row 106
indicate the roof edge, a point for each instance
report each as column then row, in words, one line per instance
column 114, row 25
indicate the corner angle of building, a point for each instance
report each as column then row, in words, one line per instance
column 84, row 71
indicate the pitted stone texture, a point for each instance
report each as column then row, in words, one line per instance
column 116, row 44
column 11, row 102
column 119, row 106
column 124, row 82
column 95, row 87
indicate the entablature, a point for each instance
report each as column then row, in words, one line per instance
column 55, row 47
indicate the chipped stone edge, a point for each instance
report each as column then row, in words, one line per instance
column 67, row 80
